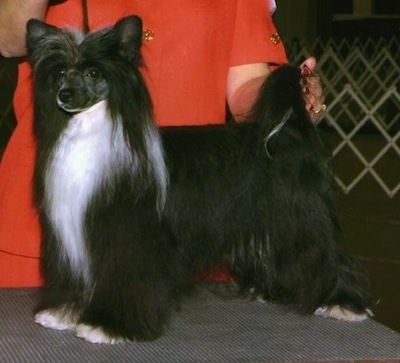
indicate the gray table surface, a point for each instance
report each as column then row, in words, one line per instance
column 209, row 328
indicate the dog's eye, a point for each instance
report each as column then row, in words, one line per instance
column 60, row 73
column 94, row 73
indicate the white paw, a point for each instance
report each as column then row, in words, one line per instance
column 340, row 313
column 58, row 319
column 258, row 298
column 96, row 335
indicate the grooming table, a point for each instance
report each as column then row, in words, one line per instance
column 209, row 328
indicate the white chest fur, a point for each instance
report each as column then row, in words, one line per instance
column 89, row 153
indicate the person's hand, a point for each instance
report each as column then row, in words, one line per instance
column 312, row 90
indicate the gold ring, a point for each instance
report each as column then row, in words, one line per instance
column 322, row 108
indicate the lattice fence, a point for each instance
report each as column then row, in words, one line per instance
column 362, row 88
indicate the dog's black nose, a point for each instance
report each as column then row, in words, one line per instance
column 65, row 95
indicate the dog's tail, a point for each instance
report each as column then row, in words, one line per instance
column 280, row 103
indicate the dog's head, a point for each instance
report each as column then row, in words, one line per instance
column 76, row 69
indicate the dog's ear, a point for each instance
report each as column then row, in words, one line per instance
column 35, row 29
column 129, row 33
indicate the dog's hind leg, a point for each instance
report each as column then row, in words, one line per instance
column 292, row 255
column 348, row 299
column 304, row 265
column 298, row 263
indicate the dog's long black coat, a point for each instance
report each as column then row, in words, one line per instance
column 254, row 197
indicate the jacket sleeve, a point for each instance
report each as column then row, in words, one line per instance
column 256, row 39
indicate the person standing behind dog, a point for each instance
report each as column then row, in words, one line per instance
column 198, row 55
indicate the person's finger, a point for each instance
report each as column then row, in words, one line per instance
column 309, row 63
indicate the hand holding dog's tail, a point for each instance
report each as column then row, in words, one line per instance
column 280, row 104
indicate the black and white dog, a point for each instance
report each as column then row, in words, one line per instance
column 131, row 212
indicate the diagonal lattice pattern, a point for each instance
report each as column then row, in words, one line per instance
column 361, row 81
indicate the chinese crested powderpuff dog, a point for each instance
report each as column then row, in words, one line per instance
column 131, row 212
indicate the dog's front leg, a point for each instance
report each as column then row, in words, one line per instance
column 135, row 273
